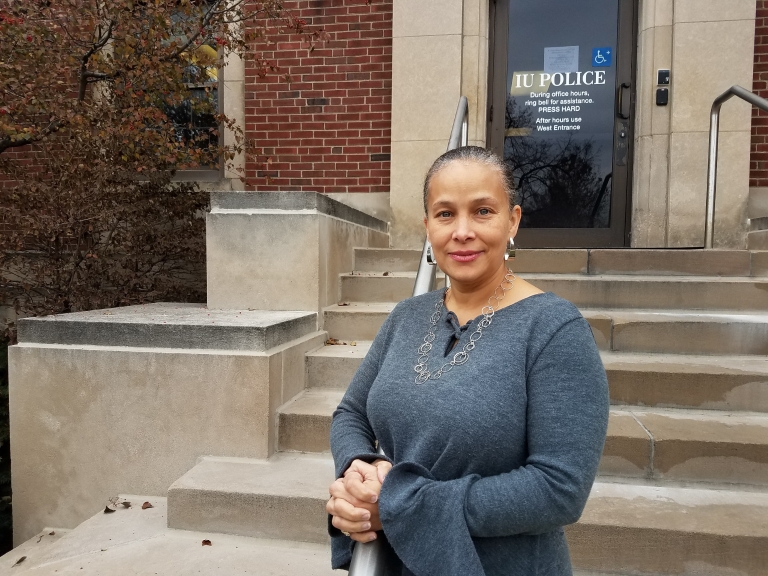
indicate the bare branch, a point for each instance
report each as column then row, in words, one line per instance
column 204, row 22
column 98, row 45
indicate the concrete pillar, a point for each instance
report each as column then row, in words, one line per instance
column 282, row 250
column 708, row 46
column 439, row 52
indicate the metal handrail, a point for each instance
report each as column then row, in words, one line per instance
column 714, row 133
column 425, row 277
column 374, row 558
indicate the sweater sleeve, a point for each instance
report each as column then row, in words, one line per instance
column 567, row 419
column 431, row 523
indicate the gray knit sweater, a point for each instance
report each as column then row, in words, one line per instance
column 494, row 458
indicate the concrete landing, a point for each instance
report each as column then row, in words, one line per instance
column 170, row 325
column 132, row 542
column 281, row 498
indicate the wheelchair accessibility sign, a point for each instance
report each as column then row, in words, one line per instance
column 602, row 57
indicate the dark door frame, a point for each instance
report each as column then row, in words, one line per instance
column 618, row 235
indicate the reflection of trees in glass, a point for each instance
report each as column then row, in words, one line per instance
column 557, row 180
column 194, row 118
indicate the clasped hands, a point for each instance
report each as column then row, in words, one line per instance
column 354, row 499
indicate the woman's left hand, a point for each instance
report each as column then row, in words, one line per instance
column 354, row 499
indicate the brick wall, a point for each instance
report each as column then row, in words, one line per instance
column 329, row 129
column 758, row 174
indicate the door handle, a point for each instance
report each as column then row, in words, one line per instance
column 624, row 86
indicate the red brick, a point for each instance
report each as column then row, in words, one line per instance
column 352, row 75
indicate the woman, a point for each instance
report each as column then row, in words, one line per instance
column 488, row 399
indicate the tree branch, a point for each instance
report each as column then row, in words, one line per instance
column 6, row 143
column 98, row 45
column 205, row 21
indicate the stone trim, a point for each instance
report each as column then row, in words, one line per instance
column 294, row 201
column 170, row 325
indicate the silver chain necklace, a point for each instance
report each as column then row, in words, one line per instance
column 422, row 373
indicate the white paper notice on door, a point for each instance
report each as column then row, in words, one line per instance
column 561, row 59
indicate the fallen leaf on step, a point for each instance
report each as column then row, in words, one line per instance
column 207, row 543
column 108, row 510
column 52, row 532
column 386, row 273
column 126, row 504
column 41, row 537
column 20, row 560
column 146, row 505
column 353, row 343
column 332, row 342
column 343, row 303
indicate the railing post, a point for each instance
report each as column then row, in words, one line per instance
column 714, row 135
column 425, row 277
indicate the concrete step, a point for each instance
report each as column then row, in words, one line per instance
column 704, row 446
column 760, row 263
column 756, row 224
column 649, row 331
column 355, row 321
column 660, row 262
column 658, row 292
column 304, row 423
column 281, row 498
column 133, row 542
column 394, row 260
column 687, row 445
column 647, row 529
column 626, row 528
column 333, row 366
column 757, row 206
column 738, row 383
column 386, row 259
column 758, row 240
column 684, row 332
column 380, row 286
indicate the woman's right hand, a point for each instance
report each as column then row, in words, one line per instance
column 354, row 499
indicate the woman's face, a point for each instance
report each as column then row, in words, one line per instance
column 469, row 221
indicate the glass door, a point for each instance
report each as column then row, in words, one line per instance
column 561, row 102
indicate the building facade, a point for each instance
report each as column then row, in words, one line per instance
column 618, row 158
column 602, row 109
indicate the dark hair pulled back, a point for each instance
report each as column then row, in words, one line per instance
column 473, row 154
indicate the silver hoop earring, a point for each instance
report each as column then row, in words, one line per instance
column 510, row 253
column 430, row 256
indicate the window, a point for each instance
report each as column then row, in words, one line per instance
column 195, row 119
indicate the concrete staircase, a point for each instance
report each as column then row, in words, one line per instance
column 683, row 485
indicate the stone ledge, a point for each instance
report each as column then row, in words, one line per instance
column 170, row 325
column 294, row 201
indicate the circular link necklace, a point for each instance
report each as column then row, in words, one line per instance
column 422, row 372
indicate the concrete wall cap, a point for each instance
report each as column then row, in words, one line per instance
column 294, row 202
column 170, row 325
